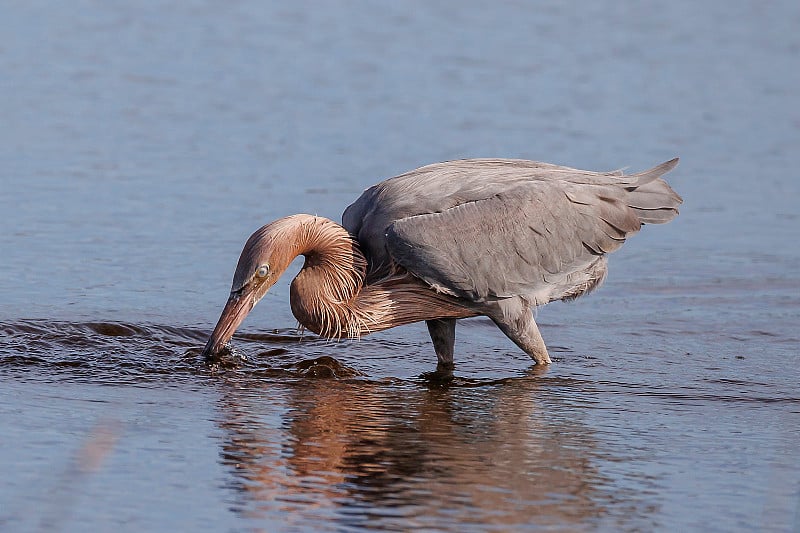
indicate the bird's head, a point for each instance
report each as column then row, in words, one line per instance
column 265, row 256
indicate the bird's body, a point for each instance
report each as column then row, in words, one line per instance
column 489, row 237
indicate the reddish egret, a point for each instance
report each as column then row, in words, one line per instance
column 491, row 237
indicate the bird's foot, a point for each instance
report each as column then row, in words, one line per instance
column 541, row 358
column 443, row 374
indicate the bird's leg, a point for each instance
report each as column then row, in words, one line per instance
column 514, row 317
column 443, row 335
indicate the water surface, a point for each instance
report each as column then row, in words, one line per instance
column 144, row 141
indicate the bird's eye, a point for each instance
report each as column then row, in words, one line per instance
column 262, row 271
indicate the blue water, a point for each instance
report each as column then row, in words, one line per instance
column 142, row 142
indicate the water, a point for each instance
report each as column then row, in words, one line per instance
column 142, row 142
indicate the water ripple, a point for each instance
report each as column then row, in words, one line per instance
column 108, row 351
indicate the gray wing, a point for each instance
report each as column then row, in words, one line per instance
column 508, row 227
column 434, row 188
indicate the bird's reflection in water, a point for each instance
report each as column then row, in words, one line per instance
column 409, row 454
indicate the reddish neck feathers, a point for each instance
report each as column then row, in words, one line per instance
column 329, row 297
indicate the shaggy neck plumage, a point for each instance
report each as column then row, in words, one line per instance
column 331, row 277
column 329, row 297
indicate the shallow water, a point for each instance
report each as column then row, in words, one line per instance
column 143, row 142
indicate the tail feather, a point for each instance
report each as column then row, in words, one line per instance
column 652, row 198
column 657, row 171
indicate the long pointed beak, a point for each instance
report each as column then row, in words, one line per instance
column 236, row 309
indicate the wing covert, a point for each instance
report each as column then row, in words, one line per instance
column 533, row 240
